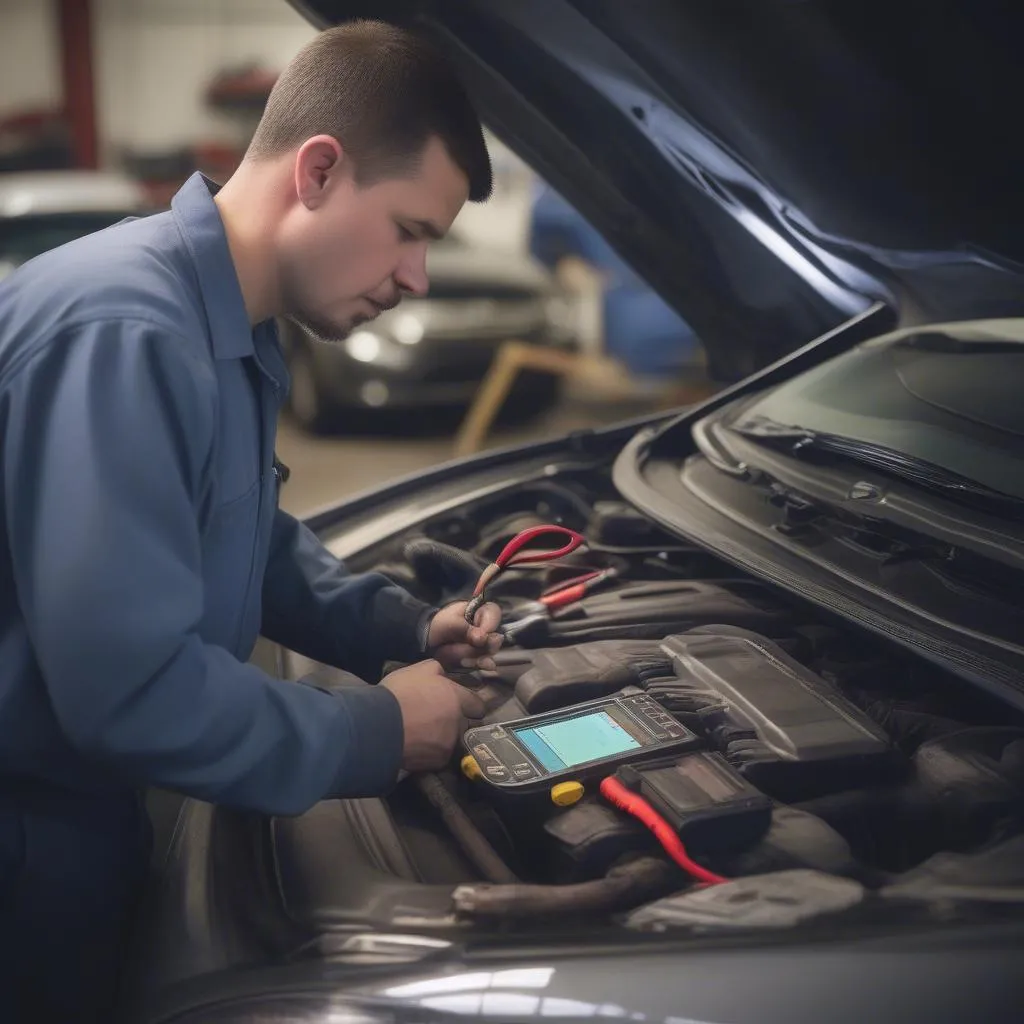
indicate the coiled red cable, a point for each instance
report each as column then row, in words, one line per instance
column 513, row 554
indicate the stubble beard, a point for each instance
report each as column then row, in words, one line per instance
column 317, row 327
column 323, row 331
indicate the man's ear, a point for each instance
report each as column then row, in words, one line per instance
column 319, row 164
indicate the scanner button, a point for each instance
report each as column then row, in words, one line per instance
column 565, row 794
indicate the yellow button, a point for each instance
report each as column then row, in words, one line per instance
column 565, row 794
column 470, row 768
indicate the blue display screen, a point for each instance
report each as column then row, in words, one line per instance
column 574, row 741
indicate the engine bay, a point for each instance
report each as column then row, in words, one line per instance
column 875, row 766
column 802, row 774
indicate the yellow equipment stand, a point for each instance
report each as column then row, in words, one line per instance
column 515, row 356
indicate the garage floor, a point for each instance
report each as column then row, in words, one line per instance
column 326, row 469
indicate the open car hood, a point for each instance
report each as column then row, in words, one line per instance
column 771, row 167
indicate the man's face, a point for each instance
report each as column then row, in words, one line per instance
column 347, row 253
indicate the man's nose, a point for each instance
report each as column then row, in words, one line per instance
column 411, row 276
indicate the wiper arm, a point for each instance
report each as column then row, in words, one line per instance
column 799, row 441
column 974, row 344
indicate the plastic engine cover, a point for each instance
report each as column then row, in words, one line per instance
column 770, row 902
column 786, row 730
column 571, row 675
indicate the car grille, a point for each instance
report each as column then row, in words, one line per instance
column 482, row 318
column 454, row 291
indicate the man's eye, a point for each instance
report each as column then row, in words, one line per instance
column 405, row 234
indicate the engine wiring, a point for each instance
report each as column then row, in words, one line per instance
column 516, row 553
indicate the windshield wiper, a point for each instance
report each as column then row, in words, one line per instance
column 801, row 442
column 940, row 341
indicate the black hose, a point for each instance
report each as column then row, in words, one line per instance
column 580, row 505
column 547, row 492
column 471, row 840
column 441, row 564
column 625, row 885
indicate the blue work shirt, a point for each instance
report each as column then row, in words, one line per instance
column 144, row 550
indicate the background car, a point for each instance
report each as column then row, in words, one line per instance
column 40, row 210
column 433, row 352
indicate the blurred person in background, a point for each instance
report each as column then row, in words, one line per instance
column 636, row 326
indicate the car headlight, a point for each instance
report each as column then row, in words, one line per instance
column 408, row 329
column 363, row 346
column 377, row 349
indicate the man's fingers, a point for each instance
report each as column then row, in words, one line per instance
column 487, row 620
column 489, row 644
column 451, row 628
column 459, row 655
column 487, row 641
column 472, row 705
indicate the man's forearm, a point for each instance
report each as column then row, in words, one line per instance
column 313, row 605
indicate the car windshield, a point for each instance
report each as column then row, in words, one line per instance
column 23, row 238
column 951, row 401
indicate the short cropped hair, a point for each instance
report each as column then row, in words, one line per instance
column 382, row 92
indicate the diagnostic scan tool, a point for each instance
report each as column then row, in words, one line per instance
column 569, row 746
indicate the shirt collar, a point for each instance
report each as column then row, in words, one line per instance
column 203, row 230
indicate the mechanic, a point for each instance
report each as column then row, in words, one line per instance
column 144, row 550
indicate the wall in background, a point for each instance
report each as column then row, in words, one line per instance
column 153, row 62
column 155, row 58
column 503, row 222
column 29, row 65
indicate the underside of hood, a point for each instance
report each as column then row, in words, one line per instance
column 771, row 167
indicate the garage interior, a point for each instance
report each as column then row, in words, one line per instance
column 152, row 90
column 754, row 709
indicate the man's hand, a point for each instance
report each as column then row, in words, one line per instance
column 458, row 645
column 435, row 713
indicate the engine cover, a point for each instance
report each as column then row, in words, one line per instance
column 787, row 731
column 784, row 728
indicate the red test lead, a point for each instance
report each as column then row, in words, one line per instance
column 616, row 793
column 514, row 555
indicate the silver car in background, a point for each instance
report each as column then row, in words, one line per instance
column 433, row 352
column 40, row 210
